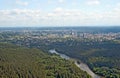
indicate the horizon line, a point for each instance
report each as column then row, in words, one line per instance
column 55, row 26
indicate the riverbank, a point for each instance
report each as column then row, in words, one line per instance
column 81, row 65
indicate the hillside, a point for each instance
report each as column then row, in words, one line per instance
column 20, row 62
column 102, row 57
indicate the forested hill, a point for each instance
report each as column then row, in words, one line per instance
column 20, row 62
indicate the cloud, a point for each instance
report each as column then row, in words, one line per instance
column 59, row 16
column 118, row 4
column 60, row 1
column 93, row 2
column 117, row 7
column 21, row 3
column 58, row 9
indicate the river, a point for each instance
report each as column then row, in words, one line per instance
column 82, row 66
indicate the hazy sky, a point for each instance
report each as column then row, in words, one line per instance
column 59, row 13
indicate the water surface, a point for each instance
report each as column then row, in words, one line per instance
column 82, row 66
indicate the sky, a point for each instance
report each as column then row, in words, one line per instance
column 59, row 13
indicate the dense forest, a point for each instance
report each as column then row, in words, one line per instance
column 21, row 62
column 102, row 57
